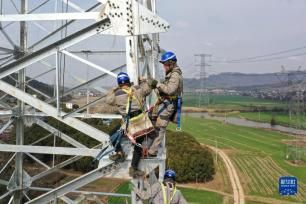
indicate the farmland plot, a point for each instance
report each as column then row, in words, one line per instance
column 262, row 175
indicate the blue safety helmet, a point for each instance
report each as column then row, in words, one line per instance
column 169, row 174
column 123, row 78
column 167, row 56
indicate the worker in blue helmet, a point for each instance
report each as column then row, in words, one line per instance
column 168, row 56
column 127, row 98
column 162, row 193
column 169, row 100
column 123, row 78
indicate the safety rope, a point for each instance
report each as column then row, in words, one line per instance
column 179, row 108
column 130, row 93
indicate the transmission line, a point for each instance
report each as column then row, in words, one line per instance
column 259, row 60
column 258, row 57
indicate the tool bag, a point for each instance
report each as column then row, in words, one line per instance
column 139, row 125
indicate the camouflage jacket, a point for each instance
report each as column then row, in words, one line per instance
column 119, row 98
column 155, row 193
column 173, row 84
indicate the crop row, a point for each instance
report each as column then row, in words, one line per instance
column 260, row 175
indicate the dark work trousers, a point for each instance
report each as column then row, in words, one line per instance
column 116, row 139
column 137, row 153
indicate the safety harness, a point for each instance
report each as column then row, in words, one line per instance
column 165, row 194
column 120, row 132
column 177, row 103
column 103, row 152
column 167, row 100
column 131, row 96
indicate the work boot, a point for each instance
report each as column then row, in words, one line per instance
column 152, row 155
column 135, row 172
column 118, row 157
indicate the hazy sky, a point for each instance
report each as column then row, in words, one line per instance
column 227, row 29
column 235, row 29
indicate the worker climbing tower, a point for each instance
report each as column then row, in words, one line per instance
column 139, row 25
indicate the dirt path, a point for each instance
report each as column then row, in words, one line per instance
column 235, row 182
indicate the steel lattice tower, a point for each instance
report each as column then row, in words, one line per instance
column 137, row 23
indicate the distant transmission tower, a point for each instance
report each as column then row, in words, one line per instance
column 203, row 95
column 294, row 90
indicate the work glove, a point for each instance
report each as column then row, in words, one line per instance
column 142, row 79
column 152, row 83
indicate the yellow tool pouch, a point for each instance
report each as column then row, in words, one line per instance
column 141, row 124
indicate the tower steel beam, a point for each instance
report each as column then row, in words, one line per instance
column 60, row 28
column 73, row 5
column 89, row 63
column 120, row 26
column 50, row 150
column 52, row 111
column 76, row 115
column 86, row 83
column 56, row 167
column 58, row 133
column 50, row 16
column 18, row 194
column 74, row 184
column 7, row 163
column 37, row 160
column 38, row 55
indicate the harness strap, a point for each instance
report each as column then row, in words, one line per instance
column 165, row 193
column 169, row 97
column 128, row 110
column 131, row 95
column 179, row 108
column 163, row 108
column 165, row 104
column 174, row 191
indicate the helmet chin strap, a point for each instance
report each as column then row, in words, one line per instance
column 123, row 85
column 171, row 66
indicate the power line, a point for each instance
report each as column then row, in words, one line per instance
column 98, row 52
column 271, row 54
column 259, row 60
column 247, row 59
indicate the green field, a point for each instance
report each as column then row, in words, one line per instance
column 124, row 189
column 229, row 102
column 281, row 118
column 259, row 154
column 193, row 196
